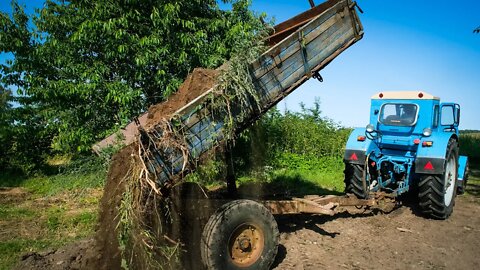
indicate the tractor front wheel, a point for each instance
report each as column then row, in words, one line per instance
column 241, row 235
column 353, row 180
column 437, row 192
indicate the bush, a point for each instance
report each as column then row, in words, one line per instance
column 300, row 140
column 470, row 146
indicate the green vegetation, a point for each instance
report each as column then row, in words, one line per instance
column 45, row 212
column 294, row 153
column 290, row 153
column 83, row 69
column 470, row 146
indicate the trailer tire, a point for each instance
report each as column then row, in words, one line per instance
column 242, row 234
column 437, row 192
column 353, row 180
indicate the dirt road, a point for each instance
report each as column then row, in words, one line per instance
column 399, row 240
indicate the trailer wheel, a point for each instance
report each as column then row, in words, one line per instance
column 437, row 192
column 241, row 235
column 353, row 180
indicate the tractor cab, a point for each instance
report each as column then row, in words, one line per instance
column 403, row 119
column 411, row 136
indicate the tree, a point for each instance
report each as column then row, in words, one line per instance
column 6, row 121
column 88, row 67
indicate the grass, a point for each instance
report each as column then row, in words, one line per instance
column 55, row 210
column 298, row 178
column 473, row 184
column 47, row 212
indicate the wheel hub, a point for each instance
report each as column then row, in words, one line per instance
column 449, row 181
column 246, row 245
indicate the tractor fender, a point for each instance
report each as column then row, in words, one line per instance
column 431, row 159
column 355, row 151
column 462, row 168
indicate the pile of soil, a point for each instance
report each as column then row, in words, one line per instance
column 196, row 83
column 74, row 256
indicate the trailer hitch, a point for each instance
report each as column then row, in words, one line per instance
column 316, row 75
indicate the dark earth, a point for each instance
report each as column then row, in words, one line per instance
column 401, row 239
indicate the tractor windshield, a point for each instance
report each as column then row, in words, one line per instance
column 398, row 114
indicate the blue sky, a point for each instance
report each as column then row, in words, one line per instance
column 408, row 45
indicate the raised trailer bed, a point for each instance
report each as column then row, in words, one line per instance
column 323, row 33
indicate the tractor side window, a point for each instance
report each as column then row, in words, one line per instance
column 457, row 114
column 448, row 116
column 398, row 114
column 435, row 116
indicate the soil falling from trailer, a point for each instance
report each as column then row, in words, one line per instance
column 103, row 252
column 198, row 82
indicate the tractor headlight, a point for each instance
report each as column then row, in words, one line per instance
column 370, row 128
column 427, row 132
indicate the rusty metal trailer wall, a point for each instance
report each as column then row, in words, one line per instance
column 312, row 43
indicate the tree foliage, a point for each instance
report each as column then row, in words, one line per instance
column 6, row 122
column 84, row 68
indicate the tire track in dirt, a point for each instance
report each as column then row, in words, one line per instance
column 399, row 240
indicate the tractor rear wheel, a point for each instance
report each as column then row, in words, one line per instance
column 241, row 235
column 353, row 180
column 437, row 192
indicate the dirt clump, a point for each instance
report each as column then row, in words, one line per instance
column 196, row 83
column 72, row 256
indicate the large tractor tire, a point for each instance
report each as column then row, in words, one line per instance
column 241, row 235
column 353, row 180
column 437, row 192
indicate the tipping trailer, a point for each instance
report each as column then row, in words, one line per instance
column 242, row 234
column 300, row 48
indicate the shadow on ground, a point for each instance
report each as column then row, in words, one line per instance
column 282, row 187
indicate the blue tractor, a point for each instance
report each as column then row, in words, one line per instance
column 410, row 144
